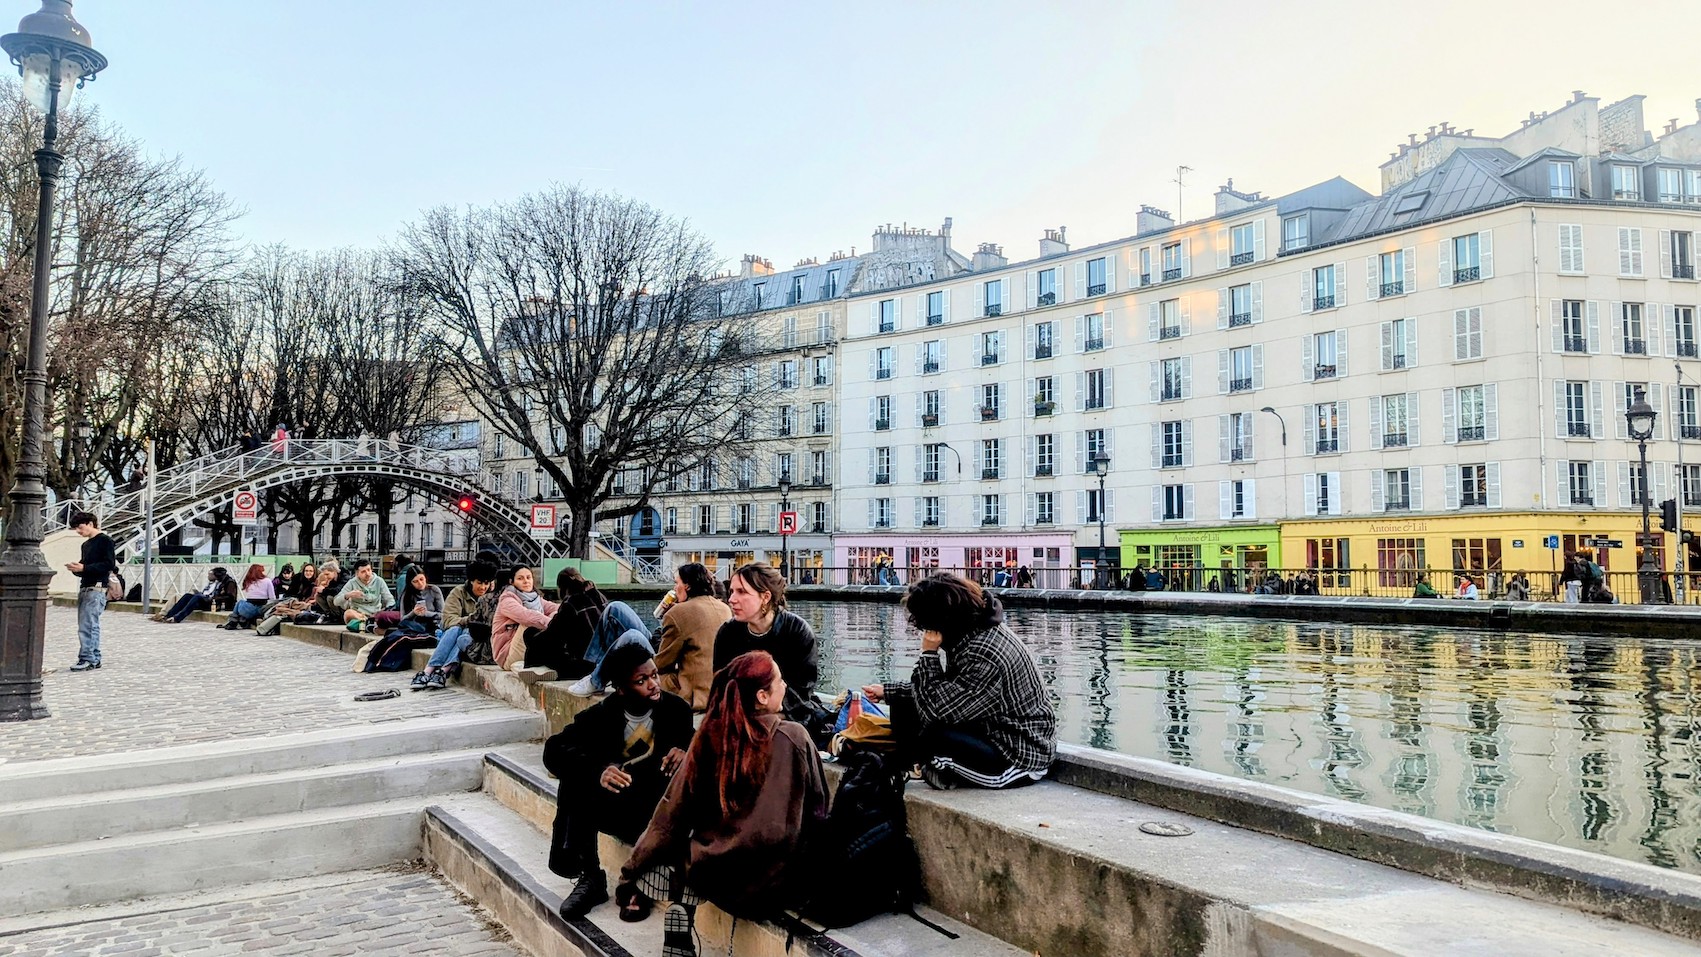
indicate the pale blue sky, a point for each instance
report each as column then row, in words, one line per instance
column 792, row 130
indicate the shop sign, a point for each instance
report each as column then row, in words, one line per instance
column 1517, row 543
column 740, row 543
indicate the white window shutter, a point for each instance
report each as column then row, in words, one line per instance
column 1620, row 427
column 1249, row 498
column 1375, row 422
column 1449, row 415
column 1080, row 333
column 874, row 317
column 980, row 298
column 1656, row 398
column 1186, row 314
column 1625, row 497
column 1411, row 343
column 1310, row 431
column 1617, row 314
column 945, row 305
column 1110, row 505
column 1224, row 440
column 1412, row 435
column 1409, row 280
column 1485, row 253
column 1340, row 284
column 1187, row 443
column 1636, row 251
column 1222, row 247
column 1597, row 470
column 1306, row 281
column 1110, row 445
column 1387, row 346
column 1029, row 333
column 1372, row 278
column 1225, row 499
column 1450, row 492
column 1444, row 262
column 1222, row 307
column 1491, row 412
column 1157, row 504
column 1080, row 392
column 1033, row 302
column 1157, row 448
column 1556, row 319
column 1665, row 253
column 1187, row 377
column 1340, row 353
column 1561, row 483
column 897, row 312
column 1110, row 387
column 1669, row 311
column 1258, row 302
column 1222, row 371
column 1187, row 258
column 1258, row 241
column 1592, row 331
column 1157, row 379
column 1258, row 365
column 1081, row 280
column 1152, row 320
column 1343, row 432
column 1187, row 511
column 1597, row 429
column 1112, row 267
column 1417, row 488
column 1660, row 479
column 1376, row 491
column 1311, row 493
column 1308, row 357
column 1109, row 327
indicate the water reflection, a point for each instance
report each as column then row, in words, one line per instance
column 1586, row 742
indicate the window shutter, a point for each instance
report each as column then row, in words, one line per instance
column 1556, row 319
column 1625, row 263
column 1340, row 353
column 1340, row 284
column 1306, row 281
column 1444, row 262
column 1222, row 307
column 1376, row 491
column 1109, row 326
column 1592, row 315
column 871, row 515
column 1387, row 346
column 1187, row 510
column 1652, row 330
column 1597, row 470
column 1225, row 499
column 1110, row 445
column 1157, row 448
column 1669, row 311
column 1308, row 357
column 1412, row 435
column 1656, row 398
column 1028, row 513
column 897, row 312
column 1258, row 302
column 1080, row 333
column 1157, row 379
column 1659, row 481
column 1033, row 302
column 1112, row 266
column 1372, row 278
column 1110, row 505
column 1081, row 280
column 1222, row 247
column 1485, row 253
column 1310, row 432
column 873, row 363
column 945, row 306
column 1596, row 428
column 980, row 298
column 1375, row 422
column 1187, row 377
column 1186, row 313
column 1224, row 440
column 1411, row 343
column 1029, row 334
column 1571, row 248
column 1258, row 365
column 1617, row 314
column 1080, row 392
column 1625, row 497
column 1636, row 251
column 1222, row 371
column 1450, row 492
column 1449, row 415
column 1461, row 334
column 1342, row 432
column 1311, row 493
column 1249, row 498
column 1187, row 258
column 1187, row 443
column 1258, row 241
column 1157, row 504
column 1152, row 320
column 1559, row 411
column 1620, row 427
column 1408, row 256
column 1561, row 483
column 873, row 454
column 874, row 317
column 1665, row 253
column 1491, row 412
column 1417, row 488
column 1110, row 387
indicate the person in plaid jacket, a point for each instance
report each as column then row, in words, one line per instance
column 975, row 710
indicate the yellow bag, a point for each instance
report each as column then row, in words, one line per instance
column 872, row 732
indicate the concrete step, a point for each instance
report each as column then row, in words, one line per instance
column 516, row 780
column 43, row 822
column 275, row 847
column 76, row 777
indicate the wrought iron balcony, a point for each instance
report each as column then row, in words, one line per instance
column 1169, row 332
column 1240, row 385
column 1325, row 446
column 1473, row 500
column 1171, row 393
column 1171, row 275
column 989, row 359
column 934, row 318
column 1097, row 289
column 881, row 425
column 818, row 527
column 1397, row 361
column 1323, row 372
column 930, row 523
column 1170, row 460
column 1683, row 270
column 1468, row 274
column 1397, row 505
column 821, row 380
column 1240, row 259
column 1687, row 350
column 1394, row 288
column 989, row 520
column 1691, row 431
column 1240, row 454
column 1042, row 350
column 887, row 325
column 1578, row 429
column 993, row 309
column 930, row 475
column 1471, row 433
column 929, row 366
column 1093, row 344
column 882, row 523
column 1095, row 403
column 1393, row 440
column 1145, row 279
column 1582, row 498
column 929, row 420
column 987, row 473
column 1576, row 344
column 1046, row 299
column 884, row 372
column 988, row 413
column 882, row 478
column 1040, row 471
column 1170, row 516
column 1238, row 319
column 1323, row 302
column 1635, row 347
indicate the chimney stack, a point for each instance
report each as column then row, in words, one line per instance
column 1053, row 243
column 1151, row 220
column 988, row 256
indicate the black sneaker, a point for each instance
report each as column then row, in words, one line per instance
column 591, row 890
column 421, row 680
column 679, row 931
column 938, row 778
column 437, row 682
column 85, row 666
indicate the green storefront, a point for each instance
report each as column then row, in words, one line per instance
column 1191, row 557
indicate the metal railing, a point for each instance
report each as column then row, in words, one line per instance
column 1468, row 274
column 1238, row 319
column 1323, row 302
column 1393, row 288
column 1240, row 259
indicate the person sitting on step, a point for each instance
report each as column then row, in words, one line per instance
column 734, row 819
column 422, row 604
column 520, row 610
column 975, row 710
column 760, row 622
column 364, row 596
column 614, row 761
column 685, row 643
column 585, row 626
column 257, row 592
column 204, row 600
column 466, row 616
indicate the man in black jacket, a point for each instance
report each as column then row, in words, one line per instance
column 614, row 762
column 99, row 559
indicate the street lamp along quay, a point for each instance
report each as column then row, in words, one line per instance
column 55, row 56
column 785, row 540
column 1640, row 419
column 1101, row 468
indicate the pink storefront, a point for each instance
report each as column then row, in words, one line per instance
column 1047, row 554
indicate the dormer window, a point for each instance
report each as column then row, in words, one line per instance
column 1626, row 183
column 1296, row 232
column 1562, row 179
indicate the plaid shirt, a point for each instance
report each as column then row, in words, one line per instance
column 991, row 689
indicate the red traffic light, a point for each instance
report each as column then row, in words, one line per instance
column 465, row 503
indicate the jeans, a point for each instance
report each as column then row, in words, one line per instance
column 186, row 605
column 90, row 603
column 246, row 610
column 620, row 625
column 450, row 644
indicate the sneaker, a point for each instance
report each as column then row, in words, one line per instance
column 938, row 778
column 591, row 890
column 421, row 680
column 583, row 687
column 679, row 932
column 85, row 666
column 437, row 682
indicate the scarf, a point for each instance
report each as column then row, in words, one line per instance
column 530, row 599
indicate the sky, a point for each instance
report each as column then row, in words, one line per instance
column 793, row 130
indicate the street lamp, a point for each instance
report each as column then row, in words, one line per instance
column 1101, row 468
column 1640, row 418
column 785, row 540
column 53, row 53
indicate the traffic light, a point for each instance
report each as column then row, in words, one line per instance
column 465, row 504
column 1668, row 515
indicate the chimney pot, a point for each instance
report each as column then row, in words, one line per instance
column 1577, row 96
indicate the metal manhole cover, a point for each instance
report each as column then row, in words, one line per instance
column 1163, row 829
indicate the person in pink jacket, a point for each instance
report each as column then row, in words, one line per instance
column 519, row 607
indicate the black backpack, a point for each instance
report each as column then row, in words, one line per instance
column 863, row 852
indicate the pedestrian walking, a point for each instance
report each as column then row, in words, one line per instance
column 99, row 559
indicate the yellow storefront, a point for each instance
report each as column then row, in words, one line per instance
column 1384, row 555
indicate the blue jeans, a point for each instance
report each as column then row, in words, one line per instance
column 246, row 610
column 450, row 644
column 191, row 602
column 620, row 625
column 90, row 603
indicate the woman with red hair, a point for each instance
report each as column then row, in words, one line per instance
column 257, row 592
column 736, row 814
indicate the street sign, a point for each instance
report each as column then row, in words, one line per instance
column 788, row 523
column 543, row 521
column 245, row 508
column 1517, row 543
column 1602, row 543
column 1552, row 541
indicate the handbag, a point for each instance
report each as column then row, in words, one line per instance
column 114, row 586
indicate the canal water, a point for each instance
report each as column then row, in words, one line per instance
column 1587, row 742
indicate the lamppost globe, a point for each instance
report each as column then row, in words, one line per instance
column 785, row 487
column 1640, row 418
column 50, row 39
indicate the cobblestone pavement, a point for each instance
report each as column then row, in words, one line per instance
column 162, row 685
column 374, row 913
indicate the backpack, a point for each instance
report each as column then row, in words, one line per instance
column 394, row 652
column 864, row 845
column 114, row 586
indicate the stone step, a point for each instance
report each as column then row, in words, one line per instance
column 43, row 822
column 76, row 777
column 517, row 781
column 276, row 847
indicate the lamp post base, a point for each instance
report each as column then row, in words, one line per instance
column 23, row 633
column 1648, row 577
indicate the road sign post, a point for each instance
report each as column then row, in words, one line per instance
column 543, row 522
column 788, row 523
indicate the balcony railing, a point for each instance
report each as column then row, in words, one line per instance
column 929, row 420
column 881, row 425
column 1397, row 505
column 1394, row 288
column 1688, row 350
column 1171, row 393
column 989, row 359
column 887, row 325
column 1691, row 431
column 821, row 380
column 882, row 478
column 935, row 318
column 1171, row 275
column 1578, row 429
column 931, row 365
column 1170, row 460
column 1045, row 518
column 1473, row 500
column 988, row 413
column 1040, row 471
column 988, row 473
column 1397, row 361
column 818, row 527
column 1042, row 350
column 1240, row 454
column 930, row 475
column 1044, row 407
column 1046, row 299
column 1240, row 259
column 1169, row 332
column 882, row 523
column 1323, row 372
column 1095, row 403
column 1097, row 289
column 1238, row 319
column 820, row 429
column 993, row 309
column 930, row 523
column 1093, row 344
column 1635, row 347
column 1471, row 433
column 1240, row 385
column 883, row 372
column 1582, row 498
column 1683, row 270
column 1325, row 446
column 1468, row 274
column 1576, row 344
column 1145, row 279
column 1323, row 302
column 1394, row 440
column 989, row 520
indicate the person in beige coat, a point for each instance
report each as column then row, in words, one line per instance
column 685, row 644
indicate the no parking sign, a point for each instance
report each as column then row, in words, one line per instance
column 246, row 508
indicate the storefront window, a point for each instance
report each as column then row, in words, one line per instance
column 1398, row 561
column 1476, row 554
column 1328, row 557
column 923, row 557
column 1179, row 565
column 983, row 561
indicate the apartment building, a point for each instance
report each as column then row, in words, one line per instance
column 1432, row 377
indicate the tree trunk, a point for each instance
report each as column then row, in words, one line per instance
column 580, row 516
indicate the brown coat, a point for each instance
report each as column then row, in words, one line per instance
column 685, row 648
column 740, row 862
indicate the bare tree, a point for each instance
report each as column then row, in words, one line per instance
column 588, row 328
